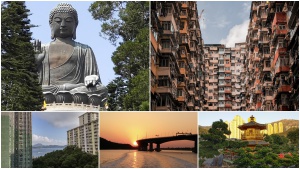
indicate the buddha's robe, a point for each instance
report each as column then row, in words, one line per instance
column 69, row 76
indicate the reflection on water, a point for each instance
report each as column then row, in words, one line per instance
column 134, row 160
column 143, row 159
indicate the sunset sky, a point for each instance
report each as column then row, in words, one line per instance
column 127, row 127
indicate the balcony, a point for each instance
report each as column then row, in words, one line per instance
column 190, row 104
column 228, row 105
column 212, row 108
column 280, row 17
column 281, row 69
column 213, row 80
column 221, row 105
column 192, row 92
column 266, row 69
column 284, row 88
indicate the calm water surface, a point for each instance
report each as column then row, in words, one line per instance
column 37, row 152
column 145, row 159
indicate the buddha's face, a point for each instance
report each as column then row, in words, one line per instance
column 63, row 25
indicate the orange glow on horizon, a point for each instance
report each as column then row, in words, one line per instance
column 128, row 127
column 135, row 143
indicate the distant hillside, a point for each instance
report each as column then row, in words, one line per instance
column 203, row 129
column 288, row 124
column 108, row 145
column 39, row 145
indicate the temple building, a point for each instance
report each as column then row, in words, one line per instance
column 253, row 133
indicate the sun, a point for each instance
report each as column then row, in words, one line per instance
column 135, row 143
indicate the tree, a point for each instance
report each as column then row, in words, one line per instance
column 69, row 157
column 293, row 136
column 213, row 141
column 128, row 21
column 20, row 89
column 131, row 18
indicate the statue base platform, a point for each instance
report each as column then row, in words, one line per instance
column 65, row 101
column 72, row 107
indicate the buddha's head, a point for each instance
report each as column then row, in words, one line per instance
column 63, row 21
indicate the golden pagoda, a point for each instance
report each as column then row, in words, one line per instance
column 253, row 133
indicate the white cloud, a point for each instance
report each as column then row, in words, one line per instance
column 236, row 34
column 61, row 119
column 46, row 141
column 222, row 22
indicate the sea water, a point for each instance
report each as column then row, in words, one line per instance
column 145, row 159
column 37, row 152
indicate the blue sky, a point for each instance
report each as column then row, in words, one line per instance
column 207, row 118
column 87, row 33
column 50, row 128
column 224, row 22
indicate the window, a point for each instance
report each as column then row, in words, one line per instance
column 166, row 25
column 266, row 50
column 280, row 43
column 166, row 43
column 278, row 8
column 281, row 27
column 163, row 81
column 179, row 92
column 181, row 64
column 268, row 63
column 181, row 25
column 164, row 62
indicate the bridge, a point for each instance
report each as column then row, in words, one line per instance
column 143, row 143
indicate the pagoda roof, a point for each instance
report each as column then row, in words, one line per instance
column 252, row 124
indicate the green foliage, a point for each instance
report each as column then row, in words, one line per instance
column 213, row 141
column 69, row 157
column 135, row 99
column 20, row 89
column 129, row 21
column 121, row 19
column 276, row 139
column 266, row 157
column 293, row 136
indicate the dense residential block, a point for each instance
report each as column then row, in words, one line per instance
column 85, row 136
column 16, row 140
column 224, row 77
column 176, row 57
column 261, row 74
column 272, row 80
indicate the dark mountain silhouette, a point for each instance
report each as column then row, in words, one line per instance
column 108, row 145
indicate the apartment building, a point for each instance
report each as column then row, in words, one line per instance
column 176, row 57
column 233, row 127
column 272, row 78
column 85, row 136
column 224, row 77
column 16, row 140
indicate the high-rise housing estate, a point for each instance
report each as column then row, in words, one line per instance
column 233, row 127
column 176, row 57
column 16, row 140
column 224, row 77
column 272, row 79
column 85, row 136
